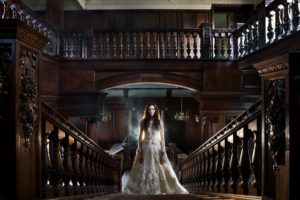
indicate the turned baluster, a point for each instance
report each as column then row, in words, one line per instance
column 198, row 173
column 121, row 47
column 57, row 177
column 204, row 175
column 83, row 177
column 241, row 44
column 222, row 46
column 72, row 46
column 47, row 129
column 76, row 169
column 195, row 45
column 296, row 16
column 188, row 45
column 114, row 44
column 141, row 44
column 254, row 27
column 278, row 25
column 270, row 33
column 181, row 47
column 69, row 46
column 235, row 43
column 68, row 168
column 134, row 45
column 216, row 46
column 244, row 162
column 162, row 45
column 168, row 45
column 250, row 38
column 212, row 169
column 155, row 45
column 234, row 163
column 218, row 168
column 225, row 166
column 127, row 45
column 246, row 41
column 5, row 10
column 195, row 169
column 175, row 45
column 94, row 47
column 107, row 45
column 88, row 170
column 286, row 18
column 101, row 173
column 97, row 172
column 13, row 11
column 92, row 172
column 100, row 45
column 255, row 177
column 148, row 46
column 229, row 51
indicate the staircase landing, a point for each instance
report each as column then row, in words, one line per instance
column 215, row 196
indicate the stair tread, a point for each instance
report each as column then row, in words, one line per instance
column 120, row 196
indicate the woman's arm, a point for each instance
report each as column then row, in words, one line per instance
column 162, row 137
column 141, row 136
column 162, row 144
column 140, row 144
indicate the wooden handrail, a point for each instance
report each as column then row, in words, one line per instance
column 227, row 130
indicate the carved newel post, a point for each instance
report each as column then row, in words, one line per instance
column 20, row 51
column 276, row 135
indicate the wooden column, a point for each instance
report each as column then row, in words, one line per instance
column 280, row 127
column 20, row 52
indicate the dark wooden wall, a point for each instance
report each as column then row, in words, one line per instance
column 135, row 19
column 49, row 82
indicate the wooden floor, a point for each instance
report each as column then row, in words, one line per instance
column 175, row 197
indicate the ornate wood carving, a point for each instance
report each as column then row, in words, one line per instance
column 275, row 121
column 277, row 64
column 5, row 55
column 28, row 94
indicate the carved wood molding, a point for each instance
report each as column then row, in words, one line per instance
column 275, row 121
column 28, row 94
column 276, row 64
column 12, row 28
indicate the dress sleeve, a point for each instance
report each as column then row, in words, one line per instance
column 162, row 137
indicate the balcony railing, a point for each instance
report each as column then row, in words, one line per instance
column 278, row 20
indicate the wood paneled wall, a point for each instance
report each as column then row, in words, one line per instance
column 49, row 76
column 135, row 19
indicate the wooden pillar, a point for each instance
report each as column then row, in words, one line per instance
column 205, row 35
column 20, row 52
column 280, row 132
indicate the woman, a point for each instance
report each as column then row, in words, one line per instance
column 151, row 172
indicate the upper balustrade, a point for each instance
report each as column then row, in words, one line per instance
column 278, row 20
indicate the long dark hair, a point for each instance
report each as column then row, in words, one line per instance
column 147, row 117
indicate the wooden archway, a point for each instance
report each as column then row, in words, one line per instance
column 155, row 77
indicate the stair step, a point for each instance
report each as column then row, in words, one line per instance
column 210, row 196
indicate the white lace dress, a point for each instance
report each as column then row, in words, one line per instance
column 152, row 177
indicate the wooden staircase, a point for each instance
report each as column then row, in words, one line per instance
column 202, row 196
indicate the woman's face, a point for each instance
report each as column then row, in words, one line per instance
column 151, row 110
